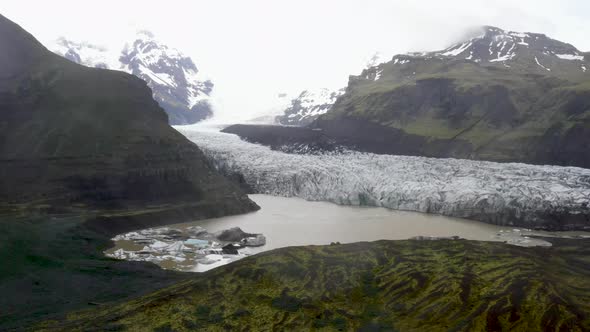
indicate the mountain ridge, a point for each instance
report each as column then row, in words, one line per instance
column 499, row 96
column 173, row 77
column 74, row 135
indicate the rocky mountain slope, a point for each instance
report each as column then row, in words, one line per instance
column 308, row 106
column 442, row 285
column 499, row 96
column 71, row 135
column 173, row 77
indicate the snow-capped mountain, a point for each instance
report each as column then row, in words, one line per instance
column 497, row 45
column 497, row 95
column 491, row 46
column 533, row 52
column 172, row 76
column 308, row 106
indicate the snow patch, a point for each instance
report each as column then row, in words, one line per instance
column 571, row 57
column 457, row 49
column 522, row 42
column 378, row 74
column 506, row 57
column 521, row 35
column 540, row 65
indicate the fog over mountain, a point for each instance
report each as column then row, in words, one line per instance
column 315, row 44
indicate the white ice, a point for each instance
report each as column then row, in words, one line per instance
column 452, row 187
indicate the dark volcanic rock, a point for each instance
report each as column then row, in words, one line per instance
column 235, row 234
column 70, row 134
column 334, row 135
column 289, row 139
column 231, row 249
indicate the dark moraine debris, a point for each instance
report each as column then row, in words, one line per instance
column 231, row 249
column 288, row 139
column 358, row 135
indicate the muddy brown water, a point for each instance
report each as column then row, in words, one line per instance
column 297, row 222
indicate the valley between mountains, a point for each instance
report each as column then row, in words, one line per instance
column 490, row 136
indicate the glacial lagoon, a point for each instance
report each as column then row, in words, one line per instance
column 288, row 222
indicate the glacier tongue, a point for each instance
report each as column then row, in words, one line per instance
column 542, row 197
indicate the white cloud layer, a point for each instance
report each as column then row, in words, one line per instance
column 257, row 48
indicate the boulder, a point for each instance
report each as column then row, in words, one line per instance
column 234, row 234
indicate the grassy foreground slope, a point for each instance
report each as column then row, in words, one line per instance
column 440, row 285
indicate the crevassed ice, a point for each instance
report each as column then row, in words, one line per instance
column 487, row 191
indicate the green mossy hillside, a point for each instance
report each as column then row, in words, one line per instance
column 441, row 106
column 410, row 285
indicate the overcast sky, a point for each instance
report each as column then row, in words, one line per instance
column 255, row 49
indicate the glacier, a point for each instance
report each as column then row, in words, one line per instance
column 511, row 194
